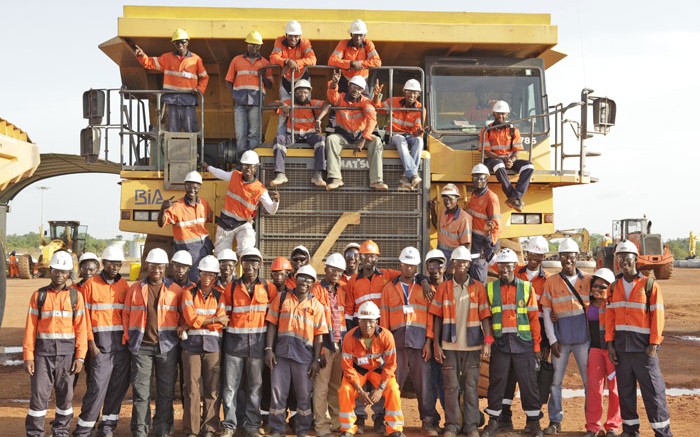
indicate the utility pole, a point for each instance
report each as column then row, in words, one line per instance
column 41, row 224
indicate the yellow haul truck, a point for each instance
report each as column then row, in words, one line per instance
column 455, row 56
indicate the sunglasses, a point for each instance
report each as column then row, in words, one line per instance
column 599, row 286
column 299, row 259
column 180, row 42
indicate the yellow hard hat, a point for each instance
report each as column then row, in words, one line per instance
column 254, row 37
column 179, row 34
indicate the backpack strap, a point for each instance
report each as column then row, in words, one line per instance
column 282, row 298
column 41, row 299
column 73, row 300
column 647, row 290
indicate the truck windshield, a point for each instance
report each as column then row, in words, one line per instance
column 462, row 97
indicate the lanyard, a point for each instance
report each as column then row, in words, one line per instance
column 407, row 291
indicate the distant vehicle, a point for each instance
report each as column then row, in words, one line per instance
column 653, row 253
column 64, row 235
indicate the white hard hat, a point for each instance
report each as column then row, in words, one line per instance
column 626, row 246
column 435, row 254
column 506, row 256
column 88, row 256
column 336, row 260
column 351, row 246
column 193, row 176
column 480, row 169
column 302, row 83
column 358, row 27
column 410, row 255
column 250, row 157
column 605, row 274
column 450, row 190
column 412, row 85
column 368, row 311
column 306, row 270
column 463, row 254
column 251, row 252
column 501, row 106
column 301, row 248
column 292, row 28
column 209, row 264
column 568, row 245
column 157, row 256
column 359, row 81
column 227, row 255
column 61, row 261
column 537, row 244
column 113, row 253
column 182, row 257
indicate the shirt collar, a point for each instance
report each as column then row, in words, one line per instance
column 375, row 272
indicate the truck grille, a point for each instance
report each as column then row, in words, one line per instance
column 652, row 244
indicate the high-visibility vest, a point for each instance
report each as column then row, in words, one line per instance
column 241, row 198
column 346, row 52
column 522, row 296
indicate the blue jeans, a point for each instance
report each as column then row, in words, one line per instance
column 182, row 118
column 247, row 119
column 233, row 372
column 409, row 158
column 556, row 414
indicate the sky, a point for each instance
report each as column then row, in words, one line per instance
column 641, row 54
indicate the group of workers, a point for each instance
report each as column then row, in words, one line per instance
column 301, row 117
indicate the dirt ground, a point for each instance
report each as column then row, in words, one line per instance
column 679, row 363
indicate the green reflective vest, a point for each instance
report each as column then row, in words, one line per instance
column 522, row 296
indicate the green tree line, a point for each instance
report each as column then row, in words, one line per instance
column 30, row 243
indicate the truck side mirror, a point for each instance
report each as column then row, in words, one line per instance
column 90, row 139
column 603, row 115
column 94, row 106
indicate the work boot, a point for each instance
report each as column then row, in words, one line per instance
column 360, row 423
column 348, row 433
column 505, row 424
column 610, row 433
column 318, row 179
column 404, row 181
column 396, row 434
column 490, row 429
column 449, row 432
column 380, row 427
column 415, row 181
column 379, row 186
column 228, row 432
column 553, row 428
column 334, row 184
column 472, row 433
column 207, row 434
column 590, row 434
column 280, row 178
column 429, row 430
column 533, row 427
column 515, row 203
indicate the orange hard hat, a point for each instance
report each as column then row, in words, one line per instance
column 369, row 246
column 280, row 263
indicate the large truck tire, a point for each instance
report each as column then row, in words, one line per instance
column 664, row 272
column 24, row 263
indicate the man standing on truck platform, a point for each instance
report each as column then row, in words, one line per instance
column 485, row 209
column 306, row 129
column 243, row 195
column 454, row 225
column 108, row 378
column 243, row 82
column 189, row 216
column 634, row 323
column 183, row 73
column 354, row 126
column 502, row 142
column 407, row 129
column 565, row 298
column 54, row 347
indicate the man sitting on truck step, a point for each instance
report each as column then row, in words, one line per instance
column 243, row 195
column 501, row 143
column 407, row 129
column 183, row 72
column 306, row 129
column 354, row 126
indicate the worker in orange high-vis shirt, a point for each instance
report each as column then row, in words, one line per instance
column 204, row 313
column 151, row 317
column 516, row 347
column 108, row 378
column 354, row 56
column 247, row 300
column 534, row 273
column 308, row 114
column 189, row 217
column 484, row 207
column 634, row 325
column 88, row 266
column 407, row 116
column 462, row 335
column 183, row 74
column 351, row 253
column 502, row 143
column 54, row 347
column 353, row 126
column 369, row 357
column 454, row 224
column 296, row 322
column 244, row 193
column 331, row 294
column 243, row 82
column 404, row 312
column 14, row 265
